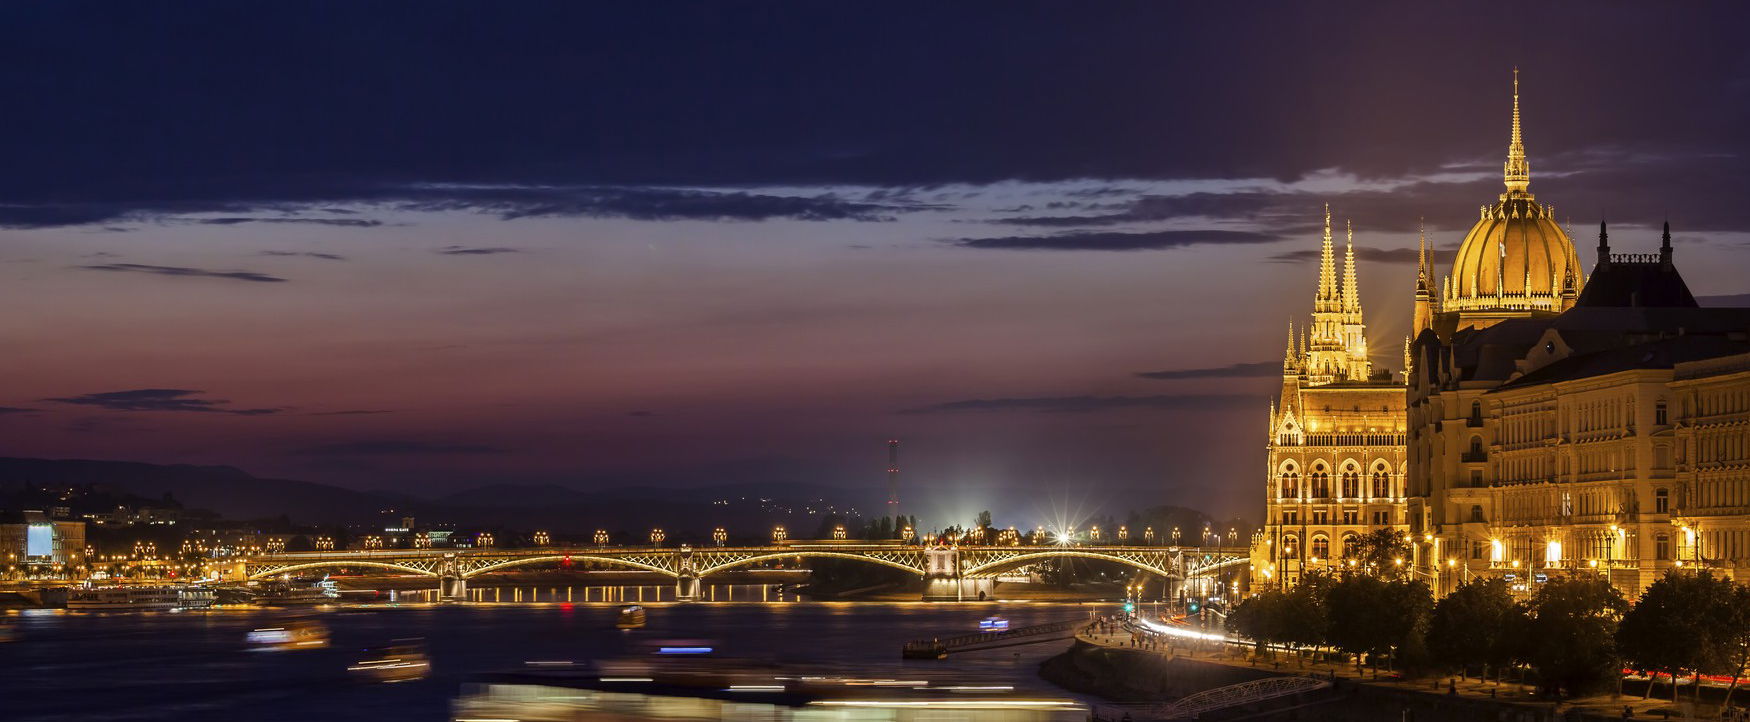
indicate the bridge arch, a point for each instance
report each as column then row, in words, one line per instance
column 1216, row 567
column 808, row 553
column 996, row 565
column 275, row 571
column 507, row 563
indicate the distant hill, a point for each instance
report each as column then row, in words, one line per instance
column 231, row 492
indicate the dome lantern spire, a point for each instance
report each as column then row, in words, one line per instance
column 1517, row 171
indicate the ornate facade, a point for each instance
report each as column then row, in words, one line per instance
column 1336, row 445
column 1566, row 427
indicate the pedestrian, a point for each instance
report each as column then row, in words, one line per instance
column 1452, row 686
column 1628, row 712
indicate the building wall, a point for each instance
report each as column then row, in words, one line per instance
column 1624, row 475
column 1335, row 473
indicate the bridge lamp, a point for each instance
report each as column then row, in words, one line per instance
column 656, row 537
column 1094, row 533
column 1123, row 533
column 778, row 533
column 1175, row 535
column 838, row 531
column 719, row 535
column 1148, row 534
column 601, row 537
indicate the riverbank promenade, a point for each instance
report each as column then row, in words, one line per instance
column 1511, row 699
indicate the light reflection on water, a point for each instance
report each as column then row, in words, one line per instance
column 193, row 665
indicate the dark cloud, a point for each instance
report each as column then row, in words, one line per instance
column 1240, row 370
column 1363, row 253
column 440, row 109
column 304, row 254
column 1083, row 404
column 158, row 400
column 1111, row 241
column 1735, row 300
column 185, row 272
column 353, row 412
column 471, row 251
column 397, row 448
column 343, row 222
column 652, row 204
column 10, row 410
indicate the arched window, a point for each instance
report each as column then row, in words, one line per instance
column 1321, row 482
column 1476, row 413
column 1381, row 483
column 1321, row 547
column 1350, row 544
column 1290, row 547
column 1351, row 482
column 1290, row 483
column 1476, row 446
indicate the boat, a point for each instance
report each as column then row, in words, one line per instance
column 631, row 617
column 399, row 661
column 120, row 598
column 295, row 634
column 279, row 594
column 993, row 624
column 195, row 597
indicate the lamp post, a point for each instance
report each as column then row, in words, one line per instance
column 1175, row 536
column 778, row 533
column 656, row 537
column 600, row 538
column 719, row 536
column 1148, row 535
column 838, row 532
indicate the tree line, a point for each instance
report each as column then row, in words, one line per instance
column 1573, row 636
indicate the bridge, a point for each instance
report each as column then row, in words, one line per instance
column 950, row 572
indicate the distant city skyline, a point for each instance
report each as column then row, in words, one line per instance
column 1048, row 249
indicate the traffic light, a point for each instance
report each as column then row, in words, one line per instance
column 1192, row 608
column 1129, row 607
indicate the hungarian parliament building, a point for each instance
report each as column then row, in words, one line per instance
column 1548, row 422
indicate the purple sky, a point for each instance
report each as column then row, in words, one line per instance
column 722, row 242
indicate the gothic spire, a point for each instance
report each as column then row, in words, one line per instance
column 1290, row 357
column 1517, row 170
column 1422, row 257
column 1665, row 245
column 1327, row 265
column 1351, row 293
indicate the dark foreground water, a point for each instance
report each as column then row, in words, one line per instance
column 194, row 666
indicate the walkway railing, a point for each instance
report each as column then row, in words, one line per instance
column 940, row 647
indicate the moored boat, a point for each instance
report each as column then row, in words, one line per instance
column 122, row 598
column 631, row 617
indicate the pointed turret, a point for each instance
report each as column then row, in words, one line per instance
column 1327, row 270
column 1423, row 317
column 1290, row 358
column 1351, row 296
column 1517, row 170
column 1603, row 248
column 1665, row 245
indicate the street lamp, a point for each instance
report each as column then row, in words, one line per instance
column 656, row 537
column 1123, row 533
column 778, row 533
column 601, row 537
column 838, row 532
column 1175, row 536
column 719, row 536
column 1148, row 535
column 542, row 539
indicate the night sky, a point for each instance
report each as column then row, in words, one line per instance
column 1053, row 247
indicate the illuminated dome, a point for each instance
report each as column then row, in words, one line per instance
column 1515, row 258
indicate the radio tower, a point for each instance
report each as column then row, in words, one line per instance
column 893, row 477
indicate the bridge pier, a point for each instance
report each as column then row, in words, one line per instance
column 453, row 589
column 942, row 575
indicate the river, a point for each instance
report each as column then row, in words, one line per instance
column 193, row 665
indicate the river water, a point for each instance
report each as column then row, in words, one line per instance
column 193, row 665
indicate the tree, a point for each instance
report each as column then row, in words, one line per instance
column 1382, row 552
column 1683, row 623
column 1570, row 634
column 1738, row 625
column 1471, row 625
column 1373, row 617
column 983, row 520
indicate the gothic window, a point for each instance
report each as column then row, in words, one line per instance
column 1661, row 501
column 1290, row 547
column 1351, row 482
column 1321, row 484
column 1321, row 547
column 1290, row 484
column 1381, row 483
column 1350, row 544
